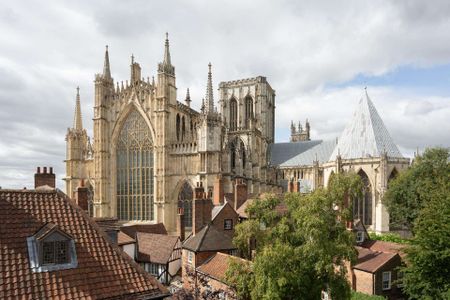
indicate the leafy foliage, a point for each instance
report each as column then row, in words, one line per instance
column 419, row 199
column 302, row 252
column 427, row 275
column 389, row 237
column 361, row 296
column 411, row 190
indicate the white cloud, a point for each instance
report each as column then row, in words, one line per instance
column 50, row 47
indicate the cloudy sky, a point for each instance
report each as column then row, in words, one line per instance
column 317, row 55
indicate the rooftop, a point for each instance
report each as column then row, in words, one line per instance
column 209, row 239
column 156, row 248
column 103, row 270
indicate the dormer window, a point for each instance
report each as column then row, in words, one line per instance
column 51, row 249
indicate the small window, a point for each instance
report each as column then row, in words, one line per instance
column 153, row 269
column 359, row 236
column 386, row 280
column 51, row 249
column 228, row 224
column 190, row 257
column 54, row 252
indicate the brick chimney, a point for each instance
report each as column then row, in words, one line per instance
column 44, row 178
column 180, row 224
column 82, row 196
column 202, row 209
column 240, row 193
column 218, row 191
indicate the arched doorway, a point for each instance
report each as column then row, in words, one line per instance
column 134, row 162
column 362, row 207
column 185, row 197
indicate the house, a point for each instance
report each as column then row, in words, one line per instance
column 376, row 269
column 212, row 277
column 51, row 249
column 376, row 273
column 209, row 235
column 159, row 254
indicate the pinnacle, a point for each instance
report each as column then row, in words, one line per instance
column 77, row 121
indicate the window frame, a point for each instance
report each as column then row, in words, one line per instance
column 230, row 227
column 359, row 236
column 389, row 281
column 190, row 257
column 35, row 252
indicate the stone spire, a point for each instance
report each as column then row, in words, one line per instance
column 166, row 65
column 77, row 122
column 209, row 93
column 106, row 67
column 188, row 98
column 167, row 51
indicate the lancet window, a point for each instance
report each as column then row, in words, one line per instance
column 135, row 170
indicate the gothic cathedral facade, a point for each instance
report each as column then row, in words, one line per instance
column 149, row 149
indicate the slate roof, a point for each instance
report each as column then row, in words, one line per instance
column 131, row 230
column 209, row 239
column 282, row 152
column 217, row 265
column 320, row 152
column 155, row 248
column 103, row 270
column 365, row 135
column 370, row 261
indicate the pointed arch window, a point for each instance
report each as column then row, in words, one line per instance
column 185, row 197
column 135, row 170
column 248, row 109
column 362, row 207
column 178, row 125
column 233, row 114
column 233, row 156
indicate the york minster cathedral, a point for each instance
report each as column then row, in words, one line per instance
column 150, row 149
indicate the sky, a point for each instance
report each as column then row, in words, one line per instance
column 317, row 55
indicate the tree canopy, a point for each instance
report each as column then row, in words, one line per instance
column 301, row 252
column 419, row 199
column 412, row 189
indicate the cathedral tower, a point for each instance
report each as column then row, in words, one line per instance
column 104, row 89
column 77, row 149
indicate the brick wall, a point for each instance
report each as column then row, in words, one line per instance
column 363, row 282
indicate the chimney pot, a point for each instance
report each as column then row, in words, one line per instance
column 38, row 170
column 45, row 170
column 44, row 178
column 51, row 170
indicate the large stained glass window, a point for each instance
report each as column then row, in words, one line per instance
column 135, row 170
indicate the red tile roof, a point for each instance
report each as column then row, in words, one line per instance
column 131, row 230
column 383, row 246
column 370, row 261
column 103, row 270
column 124, row 239
column 156, row 248
column 217, row 266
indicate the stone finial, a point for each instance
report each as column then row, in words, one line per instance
column 209, row 92
column 188, row 98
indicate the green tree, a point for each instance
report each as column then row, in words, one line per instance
column 411, row 190
column 302, row 252
column 427, row 274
